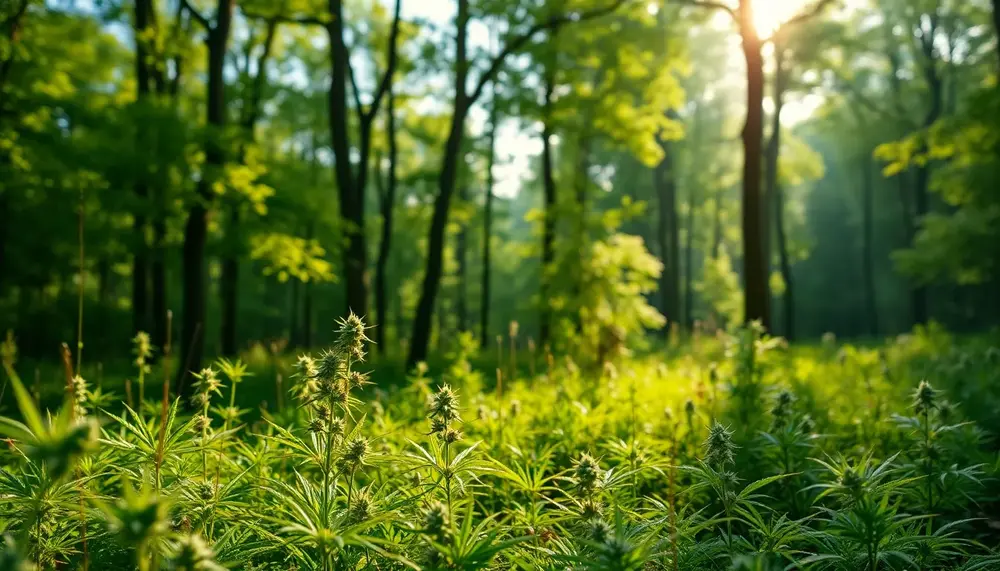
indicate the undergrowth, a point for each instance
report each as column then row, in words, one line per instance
column 740, row 454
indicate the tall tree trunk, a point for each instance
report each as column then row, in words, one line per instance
column 484, row 304
column 717, row 225
column 388, row 204
column 230, row 278
column 449, row 166
column 996, row 22
column 756, row 302
column 294, row 332
column 196, row 227
column 774, row 191
column 549, row 214
column 350, row 196
column 12, row 30
column 144, row 20
column 867, row 247
column 158, row 274
column 307, row 300
column 668, row 234
column 922, row 179
column 689, row 263
column 442, row 202
column 228, row 287
column 462, row 254
column 351, row 183
column 786, row 267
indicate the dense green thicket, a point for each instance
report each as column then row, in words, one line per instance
column 736, row 453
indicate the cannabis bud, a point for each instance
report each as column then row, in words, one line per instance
column 587, row 472
column 192, row 554
column 351, row 336
column 924, row 398
column 327, row 368
column 444, row 404
column 357, row 450
column 719, row 447
column 451, row 436
column 435, row 516
column 598, row 530
column 782, row 408
column 361, row 506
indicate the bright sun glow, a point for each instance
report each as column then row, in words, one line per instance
column 768, row 15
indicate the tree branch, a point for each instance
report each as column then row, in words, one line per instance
column 390, row 69
column 518, row 42
column 800, row 18
column 354, row 88
column 198, row 17
column 711, row 5
column 299, row 20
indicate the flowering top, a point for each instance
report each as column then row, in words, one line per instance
column 719, row 447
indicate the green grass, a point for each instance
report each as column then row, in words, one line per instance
column 717, row 454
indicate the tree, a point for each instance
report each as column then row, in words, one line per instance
column 755, row 209
column 463, row 101
column 196, row 228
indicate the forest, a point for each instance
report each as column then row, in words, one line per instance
column 503, row 284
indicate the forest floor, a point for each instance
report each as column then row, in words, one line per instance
column 719, row 453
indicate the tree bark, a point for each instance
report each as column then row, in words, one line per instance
column 484, row 305
column 774, row 192
column 351, row 183
column 922, row 179
column 388, row 204
column 756, row 302
column 868, row 257
column 230, row 278
column 549, row 214
column 461, row 253
column 689, row 263
column 307, row 301
column 144, row 19
column 668, row 235
column 442, row 202
column 196, row 227
column 996, row 23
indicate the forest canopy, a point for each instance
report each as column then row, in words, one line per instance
column 259, row 168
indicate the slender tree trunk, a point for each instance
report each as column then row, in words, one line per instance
column 756, row 296
column 665, row 186
column 196, row 227
column 449, row 167
column 351, row 183
column 922, row 179
column 996, row 23
column 388, row 204
column 717, row 225
column 4, row 217
column 549, row 218
column 228, row 289
column 786, row 267
column 13, row 31
column 294, row 332
column 868, row 256
column 158, row 271
column 442, row 202
column 144, row 20
column 774, row 192
column 462, row 254
column 350, row 195
column 484, row 305
column 230, row 278
column 689, row 262
column 307, row 302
